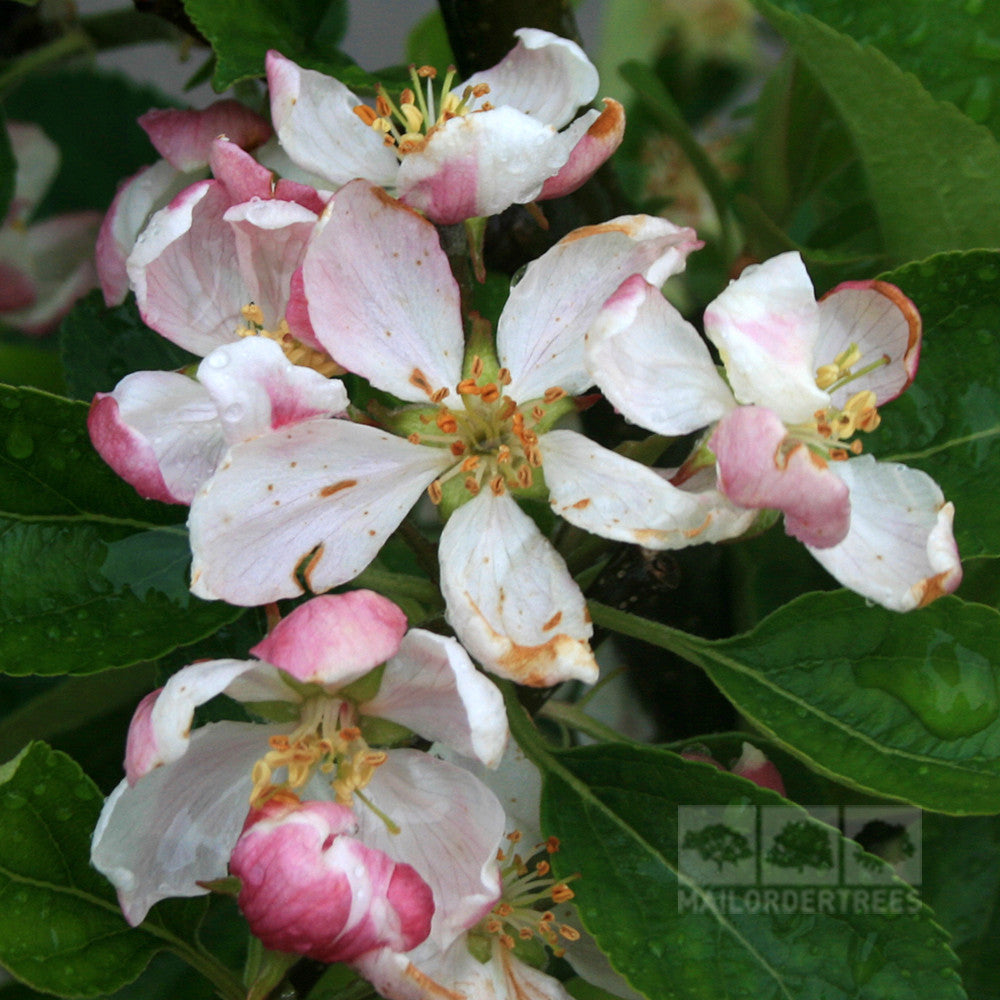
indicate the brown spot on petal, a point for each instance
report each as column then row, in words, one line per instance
column 314, row 560
column 420, row 380
column 610, row 122
column 582, row 504
column 552, row 622
column 344, row 484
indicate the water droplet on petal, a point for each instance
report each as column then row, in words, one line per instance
column 218, row 359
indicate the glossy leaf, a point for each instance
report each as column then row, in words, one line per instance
column 48, row 467
column 60, row 927
column 948, row 422
column 952, row 47
column 100, row 346
column 81, row 597
column 901, row 706
column 933, row 174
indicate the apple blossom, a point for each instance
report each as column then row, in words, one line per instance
column 184, row 140
column 45, row 266
column 457, row 156
column 173, row 823
column 805, row 377
column 324, row 495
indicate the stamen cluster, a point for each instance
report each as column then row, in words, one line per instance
column 296, row 352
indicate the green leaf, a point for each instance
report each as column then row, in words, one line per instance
column 616, row 812
column 948, row 422
column 48, row 467
column 100, row 346
column 900, row 706
column 933, row 174
column 96, row 132
column 308, row 31
column 79, row 597
column 951, row 46
column 27, row 362
column 60, row 926
column 428, row 45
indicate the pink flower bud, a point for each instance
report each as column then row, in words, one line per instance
column 752, row 765
column 310, row 887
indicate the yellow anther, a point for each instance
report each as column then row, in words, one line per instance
column 826, row 375
column 412, row 118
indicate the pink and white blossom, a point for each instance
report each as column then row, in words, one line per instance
column 474, row 150
column 46, row 265
column 805, row 378
column 173, row 823
column 327, row 495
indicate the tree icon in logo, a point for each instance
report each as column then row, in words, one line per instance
column 718, row 843
column 801, row 844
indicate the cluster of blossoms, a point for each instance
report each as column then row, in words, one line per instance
column 287, row 260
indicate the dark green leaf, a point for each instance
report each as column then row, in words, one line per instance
column 900, row 706
column 100, row 346
column 60, row 927
column 948, row 422
column 48, row 467
column 617, row 813
column 933, row 174
column 27, row 362
column 951, row 46
column 78, row 597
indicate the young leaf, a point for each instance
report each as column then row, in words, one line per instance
column 948, row 422
column 933, row 174
column 78, row 597
column 901, row 706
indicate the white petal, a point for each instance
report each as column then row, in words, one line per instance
column 314, row 117
column 432, row 687
column 540, row 336
column 651, row 363
column 178, row 824
column 326, row 490
column 37, row 161
column 900, row 551
column 382, row 299
column 450, row 824
column 612, row 496
column 765, row 325
column 510, row 598
column 543, row 75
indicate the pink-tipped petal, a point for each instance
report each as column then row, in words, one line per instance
column 882, row 323
column 759, row 469
column 381, row 295
column 900, row 551
column 432, row 687
column 602, row 134
column 334, row 639
column 183, row 137
column 542, row 330
column 308, row 886
column 510, row 598
column 766, row 325
column 652, row 365
column 755, row 767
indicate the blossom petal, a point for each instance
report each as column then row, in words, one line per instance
column 544, row 75
column 326, row 491
column 310, row 887
column 766, row 325
column 450, row 827
column 432, row 687
column 336, row 638
column 36, row 158
column 382, row 298
column 596, row 136
column 178, row 825
column 510, row 598
column 255, row 389
column 900, row 551
column 246, row 177
column 755, row 471
column 540, row 336
column 138, row 197
column 180, row 294
column 479, row 164
column 160, row 730
column 651, row 363
column 883, row 323
column 184, row 137
column 314, row 117
column 160, row 431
